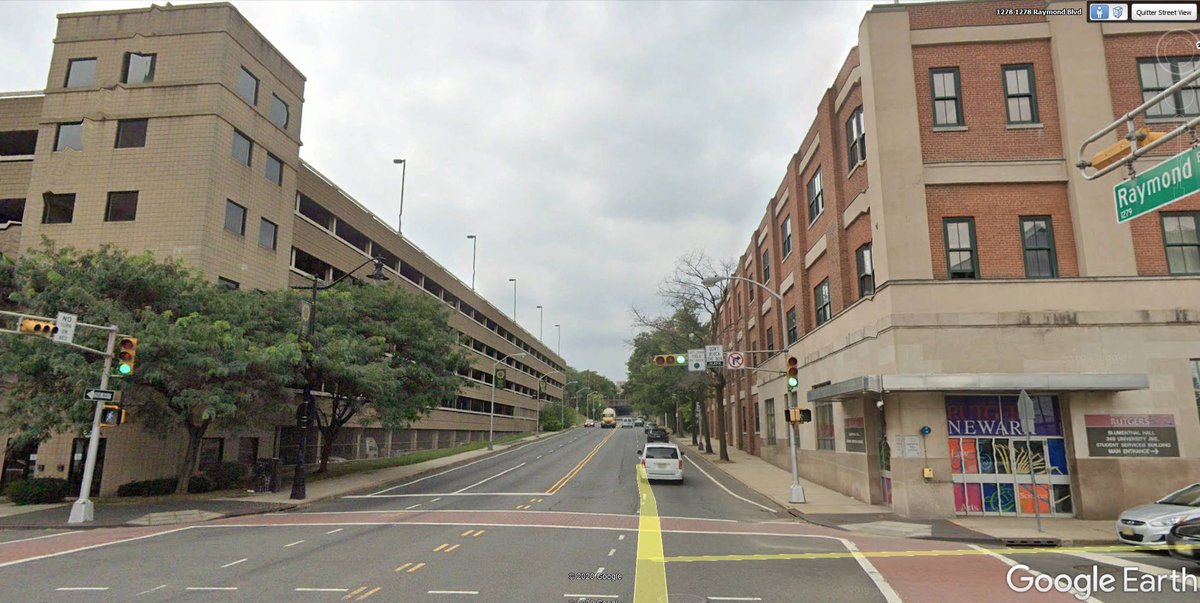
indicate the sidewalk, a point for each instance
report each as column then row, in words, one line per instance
column 830, row 508
column 158, row 511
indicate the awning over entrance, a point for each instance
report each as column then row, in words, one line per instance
column 979, row 382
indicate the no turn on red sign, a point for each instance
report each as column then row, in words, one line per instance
column 735, row 360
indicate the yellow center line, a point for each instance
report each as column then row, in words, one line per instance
column 928, row 553
column 479, row 533
column 401, row 568
column 415, row 568
column 369, row 593
column 468, row 532
column 650, row 571
column 441, row 546
column 574, row 471
column 451, row 548
column 356, row 591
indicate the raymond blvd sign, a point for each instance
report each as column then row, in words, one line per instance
column 1160, row 185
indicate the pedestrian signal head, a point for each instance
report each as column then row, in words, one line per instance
column 111, row 415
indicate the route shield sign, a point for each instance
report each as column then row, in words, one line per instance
column 696, row 360
column 1160, row 185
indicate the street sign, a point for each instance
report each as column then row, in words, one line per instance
column 1025, row 412
column 105, row 395
column 735, row 360
column 696, row 360
column 66, row 327
column 714, row 356
column 1160, row 185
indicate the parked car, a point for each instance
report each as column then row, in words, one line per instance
column 648, row 426
column 639, row 422
column 589, row 423
column 1184, row 540
column 657, row 434
column 662, row 461
column 1149, row 524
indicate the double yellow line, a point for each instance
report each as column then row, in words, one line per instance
column 570, row 474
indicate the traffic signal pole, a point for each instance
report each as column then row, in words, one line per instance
column 83, row 510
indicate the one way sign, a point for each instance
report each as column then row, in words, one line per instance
column 102, row 395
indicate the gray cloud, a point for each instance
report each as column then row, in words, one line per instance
column 588, row 145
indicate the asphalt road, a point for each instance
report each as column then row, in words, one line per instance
column 562, row 519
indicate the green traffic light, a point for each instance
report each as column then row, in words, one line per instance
column 124, row 369
column 680, row 359
column 793, row 382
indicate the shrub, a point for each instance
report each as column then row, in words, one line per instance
column 226, row 475
column 199, row 484
column 41, row 490
column 150, row 487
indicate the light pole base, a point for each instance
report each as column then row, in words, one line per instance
column 489, row 445
column 797, row 494
column 82, row 511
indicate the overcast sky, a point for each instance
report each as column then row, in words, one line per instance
column 587, row 145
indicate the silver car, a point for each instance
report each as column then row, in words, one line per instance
column 1149, row 524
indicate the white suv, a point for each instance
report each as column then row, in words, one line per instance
column 662, row 461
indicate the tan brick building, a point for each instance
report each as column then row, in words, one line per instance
column 177, row 130
column 937, row 252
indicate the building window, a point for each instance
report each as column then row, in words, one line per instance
column 131, row 133
column 1196, row 381
column 212, row 450
column 770, row 411
column 12, row 211
column 793, row 330
column 866, row 271
column 961, row 259
column 274, row 170
column 856, row 140
column 248, row 86
column 757, row 423
column 309, row 264
column 1157, row 75
column 19, row 143
column 785, row 231
column 247, row 450
column 242, row 148
column 1037, row 237
column 121, row 207
column 267, row 234
column 227, row 284
column 1020, row 94
column 816, row 197
column 770, row 342
column 279, row 112
column 352, row 236
column 139, row 68
column 235, row 218
column 766, row 266
column 947, row 97
column 825, row 432
column 80, row 72
column 1182, row 242
column 70, row 136
column 824, row 306
column 58, row 209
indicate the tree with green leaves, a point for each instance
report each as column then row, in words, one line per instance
column 384, row 352
column 653, row 389
column 205, row 356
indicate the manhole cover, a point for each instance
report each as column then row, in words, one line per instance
column 1102, row 568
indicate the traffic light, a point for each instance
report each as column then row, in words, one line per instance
column 793, row 373
column 111, row 415
column 670, row 360
column 35, row 326
column 126, row 354
column 805, row 416
column 796, row 415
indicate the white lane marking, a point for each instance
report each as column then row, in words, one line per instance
column 232, row 564
column 463, row 466
column 727, row 490
column 211, row 588
column 93, row 546
column 292, row 544
column 412, row 506
column 488, row 479
column 621, row 537
column 734, row 598
column 539, row 456
column 82, row 588
column 35, row 538
column 438, row 496
column 578, row 596
column 151, row 590
column 600, row 571
column 436, row 499
column 880, row 582
column 335, row 531
column 453, row 592
column 322, row 590
column 1145, row 568
column 1011, row 563
column 611, row 551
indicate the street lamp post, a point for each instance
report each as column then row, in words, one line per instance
column 542, row 380
column 492, row 411
column 541, row 320
column 797, row 492
column 559, row 349
column 514, row 282
column 304, row 416
column 563, row 402
column 403, row 172
column 474, row 246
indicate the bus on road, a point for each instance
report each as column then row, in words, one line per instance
column 608, row 419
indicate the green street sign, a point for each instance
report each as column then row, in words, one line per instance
column 1162, row 184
